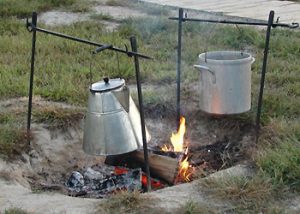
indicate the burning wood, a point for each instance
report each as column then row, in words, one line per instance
column 179, row 145
column 169, row 163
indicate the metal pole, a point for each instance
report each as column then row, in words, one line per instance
column 179, row 64
column 140, row 97
column 65, row 36
column 34, row 22
column 263, row 73
column 262, row 23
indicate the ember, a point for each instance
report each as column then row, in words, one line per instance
column 155, row 184
column 98, row 184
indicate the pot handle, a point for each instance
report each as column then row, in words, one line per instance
column 204, row 68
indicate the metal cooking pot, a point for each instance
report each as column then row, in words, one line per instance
column 225, row 82
column 112, row 123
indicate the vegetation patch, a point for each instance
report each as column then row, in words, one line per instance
column 13, row 142
column 121, row 3
column 24, row 8
column 127, row 202
column 248, row 195
column 192, row 207
column 282, row 163
column 15, row 210
column 58, row 118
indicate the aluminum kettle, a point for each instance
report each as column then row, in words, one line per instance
column 112, row 124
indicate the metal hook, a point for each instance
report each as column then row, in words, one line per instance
column 294, row 25
column 102, row 48
column 29, row 25
column 127, row 52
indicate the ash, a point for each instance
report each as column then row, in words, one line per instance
column 99, row 182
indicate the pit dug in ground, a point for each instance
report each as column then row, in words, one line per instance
column 56, row 162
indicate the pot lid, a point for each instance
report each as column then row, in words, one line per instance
column 107, row 85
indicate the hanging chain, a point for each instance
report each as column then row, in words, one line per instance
column 90, row 75
column 118, row 62
column 241, row 33
column 206, row 42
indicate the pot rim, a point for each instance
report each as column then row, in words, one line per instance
column 245, row 59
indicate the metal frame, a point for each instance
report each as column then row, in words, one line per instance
column 133, row 43
column 32, row 27
column 270, row 23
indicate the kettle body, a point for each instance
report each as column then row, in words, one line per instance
column 112, row 125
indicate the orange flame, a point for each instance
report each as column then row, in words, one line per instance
column 185, row 170
column 178, row 144
column 177, row 139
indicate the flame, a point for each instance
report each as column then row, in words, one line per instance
column 177, row 139
column 178, row 145
column 166, row 148
column 185, row 170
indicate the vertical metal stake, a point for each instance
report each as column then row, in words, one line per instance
column 179, row 64
column 139, row 89
column 34, row 23
column 263, row 73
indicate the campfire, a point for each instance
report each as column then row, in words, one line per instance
column 169, row 163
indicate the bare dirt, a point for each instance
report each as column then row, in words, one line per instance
column 114, row 14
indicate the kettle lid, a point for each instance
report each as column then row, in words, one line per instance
column 107, row 85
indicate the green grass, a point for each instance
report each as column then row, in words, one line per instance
column 102, row 16
column 15, row 210
column 24, row 8
column 282, row 163
column 120, row 3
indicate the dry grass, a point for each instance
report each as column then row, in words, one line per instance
column 128, row 202
column 13, row 142
column 5, row 175
column 192, row 207
column 248, row 195
column 58, row 118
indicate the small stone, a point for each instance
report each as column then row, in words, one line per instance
column 75, row 180
column 93, row 175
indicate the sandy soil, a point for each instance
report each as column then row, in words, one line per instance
column 60, row 17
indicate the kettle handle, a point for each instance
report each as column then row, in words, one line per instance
column 204, row 68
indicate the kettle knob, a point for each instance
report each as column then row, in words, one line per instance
column 106, row 80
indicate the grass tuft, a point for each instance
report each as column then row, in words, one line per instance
column 15, row 210
column 13, row 142
column 192, row 207
column 282, row 162
column 120, row 3
column 247, row 194
column 58, row 118
column 127, row 202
